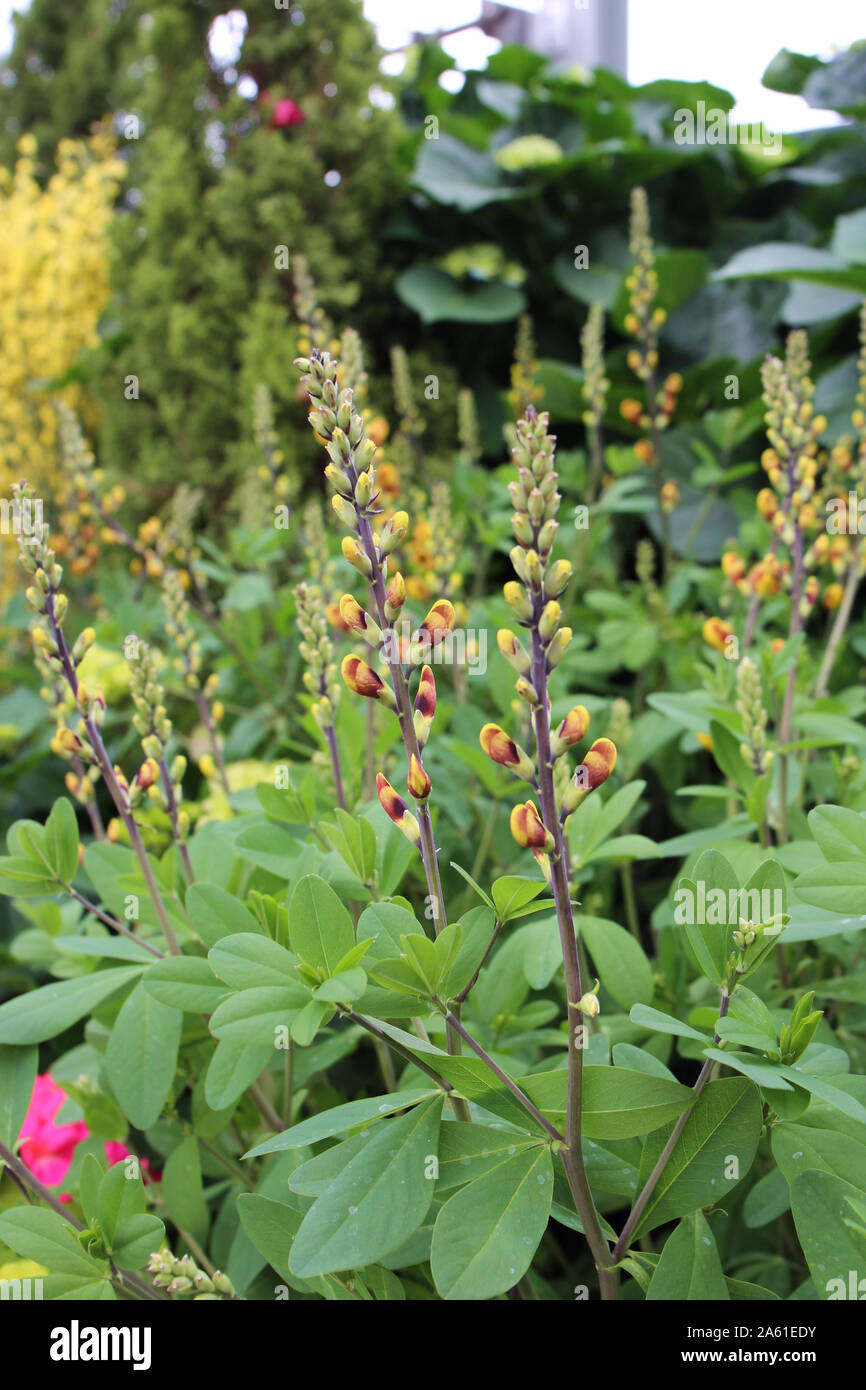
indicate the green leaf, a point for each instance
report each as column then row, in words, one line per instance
column 833, row 1095
column 768, row 1199
column 45, row 1012
column 467, row 1151
column 320, row 927
column 137, row 1238
column 233, row 1067
column 61, row 840
column 619, row 960
column 48, row 1239
column 689, row 1269
column 254, row 1015
column 839, row 887
column 142, row 1056
column 181, row 1189
column 840, row 833
column 339, row 1120
column 379, row 1200
column 831, row 1247
column 247, row 960
column 799, row 1147
column 511, row 894
column 664, row 1023
column 271, row 1226
column 437, row 297
column 307, row 1022
column 215, row 913
column 118, row 1198
column 186, row 983
column 618, row 1103
column 18, row 1068
column 102, row 946
column 486, row 1235
column 724, row 1124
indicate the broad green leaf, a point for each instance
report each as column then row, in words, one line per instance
column 768, row 1199
column 186, row 983
column 215, row 913
column 118, row 1198
column 18, row 1068
column 320, row 927
column 617, row 1103
column 45, row 1012
column 836, row 888
column 797, row 1148
column 664, row 1023
column 142, row 1056
column 831, row 1247
column 233, row 1067
column 763, row 1073
column 379, row 1200
column 486, row 1235
column 689, row 1270
column 833, row 1095
column 724, row 1125
column 61, row 840
column 339, row 1120
column 840, row 833
column 619, row 961
column 248, row 960
column 307, row 1022
column 181, row 1189
column 136, row 1239
column 314, row 1177
column 255, row 1015
column 511, row 894
column 48, row 1239
column 271, row 1226
column 637, row 1059
column 102, row 946
column 467, row 1151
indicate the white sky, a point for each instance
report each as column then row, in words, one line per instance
column 729, row 43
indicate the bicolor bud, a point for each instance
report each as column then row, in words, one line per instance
column 425, row 706
column 357, row 620
column 395, row 807
column 501, row 748
column 572, row 729
column 528, row 828
column 364, row 681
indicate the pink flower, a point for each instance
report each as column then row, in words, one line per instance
column 287, row 113
column 46, row 1147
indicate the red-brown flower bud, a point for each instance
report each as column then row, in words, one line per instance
column 528, row 828
column 364, row 681
column 501, row 748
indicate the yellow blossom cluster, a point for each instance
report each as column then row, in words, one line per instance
column 54, row 284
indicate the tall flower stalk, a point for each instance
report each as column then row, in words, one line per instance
column 45, row 596
column 534, row 601
column 351, row 474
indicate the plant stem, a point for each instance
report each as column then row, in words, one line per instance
column 650, row 1184
column 572, row 1157
column 334, row 751
column 843, row 613
column 107, row 770
column 174, row 811
column 512, row 1086
column 110, row 922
